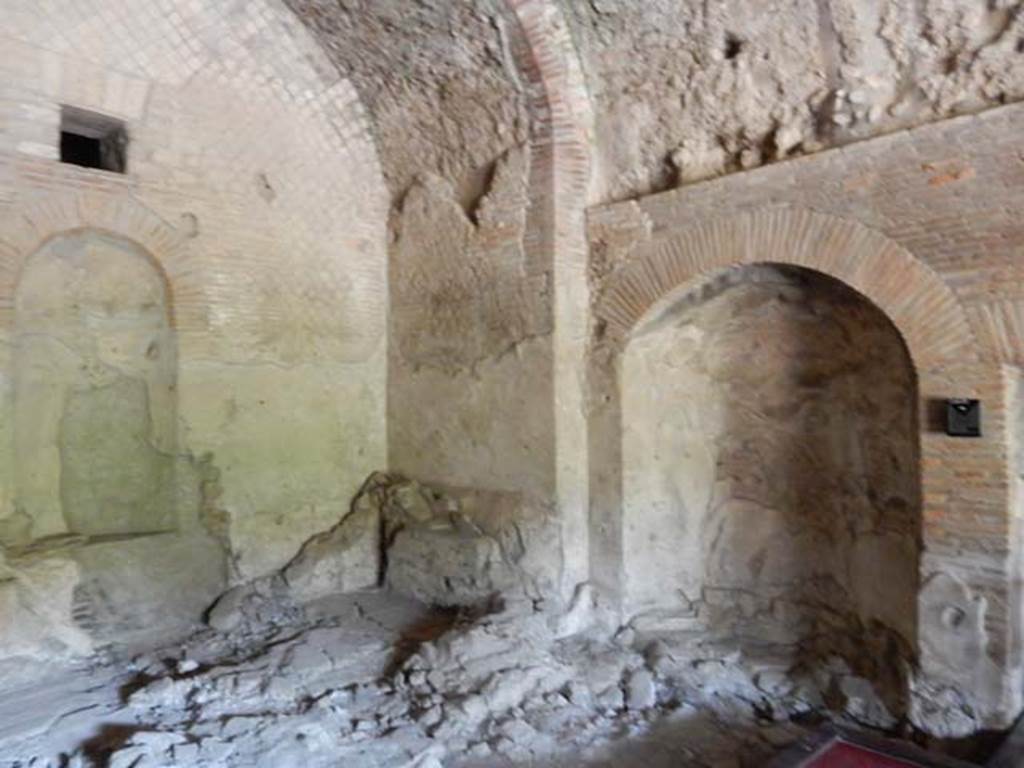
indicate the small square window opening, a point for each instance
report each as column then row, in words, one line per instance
column 92, row 140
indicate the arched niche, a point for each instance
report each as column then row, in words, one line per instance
column 967, row 520
column 770, row 481
column 94, row 391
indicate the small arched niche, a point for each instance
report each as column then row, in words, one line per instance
column 770, row 466
column 95, row 369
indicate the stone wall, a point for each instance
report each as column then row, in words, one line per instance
column 489, row 299
column 470, row 332
column 254, row 195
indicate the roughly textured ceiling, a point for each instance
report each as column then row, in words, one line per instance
column 687, row 89
column 437, row 77
column 681, row 89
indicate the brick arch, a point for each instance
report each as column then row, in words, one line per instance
column 923, row 308
column 24, row 230
column 560, row 141
column 560, row 107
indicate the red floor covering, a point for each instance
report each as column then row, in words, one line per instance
column 841, row 755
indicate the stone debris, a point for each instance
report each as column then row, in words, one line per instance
column 435, row 546
column 343, row 559
column 448, row 561
column 430, row 276
column 296, row 668
column 641, row 693
column 375, row 680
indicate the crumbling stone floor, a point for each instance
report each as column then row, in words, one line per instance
column 374, row 680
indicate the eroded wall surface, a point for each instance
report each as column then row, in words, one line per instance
column 452, row 120
column 463, row 119
column 686, row 91
column 254, row 194
column 471, row 335
column 95, row 380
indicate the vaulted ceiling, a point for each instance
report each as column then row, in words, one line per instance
column 680, row 89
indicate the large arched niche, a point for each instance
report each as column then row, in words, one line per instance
column 948, row 359
column 770, row 484
column 95, row 365
column 95, row 290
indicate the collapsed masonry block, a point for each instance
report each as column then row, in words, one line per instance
column 343, row 559
column 457, row 546
column 447, row 564
column 71, row 596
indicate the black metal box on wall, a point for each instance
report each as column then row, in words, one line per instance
column 963, row 417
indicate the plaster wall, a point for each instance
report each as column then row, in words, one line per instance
column 95, row 368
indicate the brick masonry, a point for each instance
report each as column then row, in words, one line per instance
column 253, row 181
column 925, row 223
column 560, row 149
column 947, row 193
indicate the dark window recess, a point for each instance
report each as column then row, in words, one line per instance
column 92, row 140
